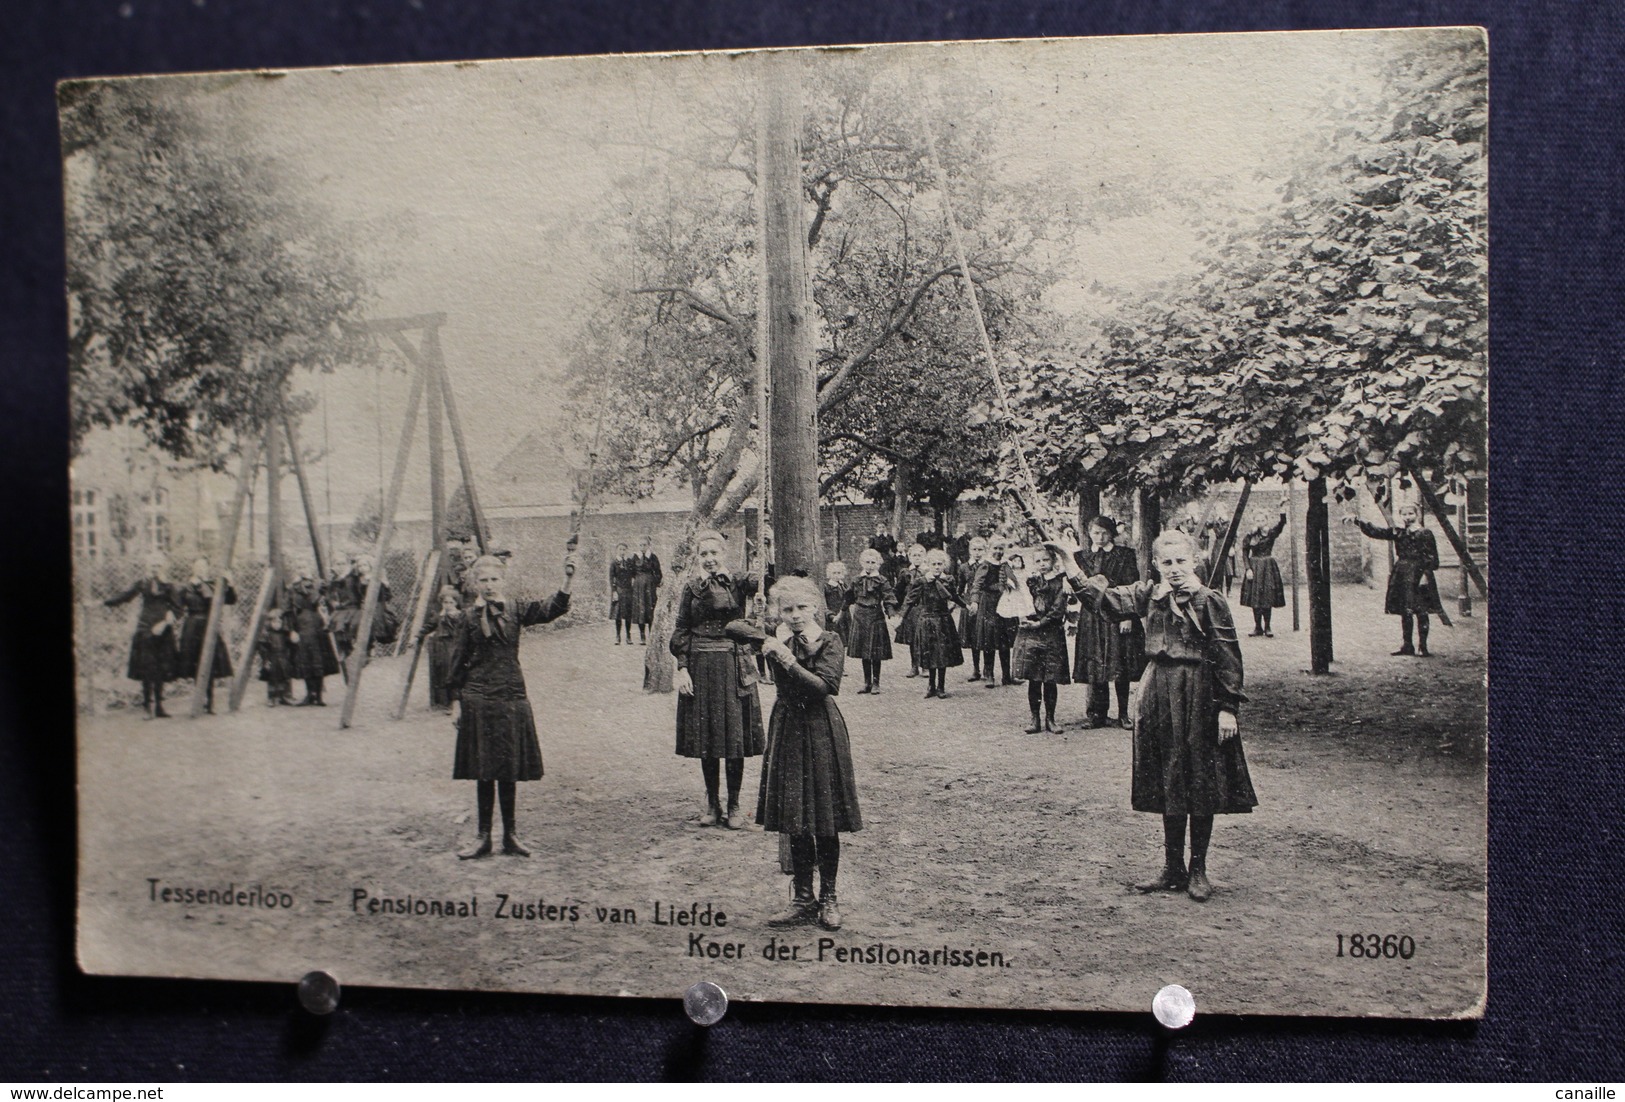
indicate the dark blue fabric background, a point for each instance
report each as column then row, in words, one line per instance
column 1557, row 855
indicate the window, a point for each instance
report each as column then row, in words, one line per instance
column 86, row 524
column 155, row 520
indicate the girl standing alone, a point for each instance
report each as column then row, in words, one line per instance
column 1413, row 592
column 872, row 598
column 807, row 789
column 1041, row 658
column 1261, row 588
column 496, row 731
column 1188, row 764
column 935, row 643
column 152, row 645
column 719, row 716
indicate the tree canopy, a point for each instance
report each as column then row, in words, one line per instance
column 1341, row 333
column 198, row 276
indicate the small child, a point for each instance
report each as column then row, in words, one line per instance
column 1188, row 763
column 276, row 659
column 837, row 595
column 807, row 791
column 496, row 730
column 872, row 599
column 440, row 629
column 905, row 586
column 936, row 642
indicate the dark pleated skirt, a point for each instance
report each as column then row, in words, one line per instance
column 1040, row 654
column 967, row 628
column 1104, row 653
column 644, row 591
column 1406, row 593
column 192, row 629
column 1180, row 767
column 439, row 666
column 905, row 627
column 807, row 782
column 152, row 657
column 1264, row 588
column 496, row 741
column 627, row 605
column 994, row 631
column 870, row 640
column 313, row 655
column 936, row 642
column 719, row 720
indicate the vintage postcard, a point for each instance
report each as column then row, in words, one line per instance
column 992, row 524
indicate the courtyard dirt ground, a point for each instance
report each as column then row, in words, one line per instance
column 978, row 837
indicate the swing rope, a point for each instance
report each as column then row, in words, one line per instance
column 1030, row 484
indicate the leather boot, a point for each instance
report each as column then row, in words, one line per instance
column 803, row 909
column 514, row 846
column 1174, row 878
column 829, row 910
column 1198, row 888
column 713, row 813
column 480, row 848
column 735, row 819
column 1037, row 724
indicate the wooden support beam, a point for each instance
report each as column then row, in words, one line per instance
column 269, row 586
column 211, row 631
column 426, row 577
column 1229, row 540
column 482, row 531
column 386, row 531
column 1436, row 507
column 1318, row 561
column 311, row 519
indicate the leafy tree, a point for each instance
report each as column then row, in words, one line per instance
column 1341, row 334
column 197, row 275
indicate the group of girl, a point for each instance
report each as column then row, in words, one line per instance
column 634, row 589
column 306, row 637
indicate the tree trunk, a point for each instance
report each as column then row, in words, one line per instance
column 1088, row 508
column 788, row 308
column 1147, row 526
column 1318, row 566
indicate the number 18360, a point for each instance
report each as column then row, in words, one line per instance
column 1376, row 946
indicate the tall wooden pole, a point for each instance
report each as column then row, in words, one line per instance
column 211, row 630
column 312, row 521
column 1464, row 600
column 482, row 531
column 269, row 586
column 386, row 531
column 1431, row 500
column 1318, row 563
column 792, row 367
column 436, row 407
column 1222, row 551
column 273, row 498
column 1148, row 525
column 1292, row 547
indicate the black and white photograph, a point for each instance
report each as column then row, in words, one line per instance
column 993, row 524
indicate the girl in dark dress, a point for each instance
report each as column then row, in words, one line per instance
column 1109, row 653
column 646, row 579
column 306, row 614
column 966, row 584
column 1188, row 762
column 719, row 716
column 1261, row 588
column 496, row 731
column 153, row 659
column 1413, row 592
column 1040, row 656
column 440, row 628
column 807, row 789
column 196, row 598
column 348, row 598
column 905, row 586
column 276, row 659
column 837, row 595
column 623, row 594
column 992, row 633
column 935, row 639
column 872, row 599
